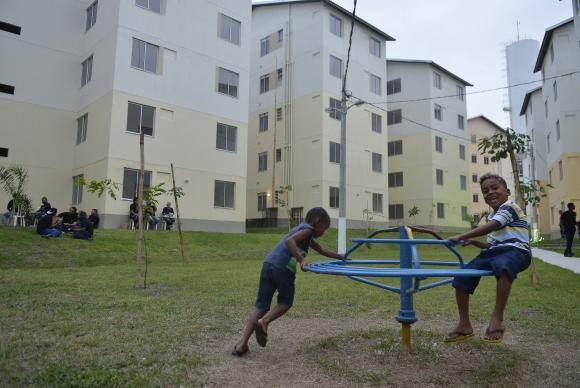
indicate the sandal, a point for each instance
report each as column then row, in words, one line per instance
column 494, row 336
column 457, row 336
column 239, row 353
column 261, row 335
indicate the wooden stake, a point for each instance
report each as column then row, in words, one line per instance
column 139, row 276
column 406, row 335
column 178, row 218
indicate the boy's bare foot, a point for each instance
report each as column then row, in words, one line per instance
column 261, row 333
column 240, row 351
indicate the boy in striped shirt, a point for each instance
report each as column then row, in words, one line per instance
column 506, row 252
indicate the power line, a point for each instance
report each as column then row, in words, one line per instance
column 476, row 92
column 349, row 47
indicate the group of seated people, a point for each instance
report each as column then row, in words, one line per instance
column 78, row 224
column 150, row 214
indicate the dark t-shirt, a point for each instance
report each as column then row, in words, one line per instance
column 68, row 217
column 45, row 208
column 94, row 220
column 569, row 220
column 167, row 210
column 88, row 227
column 10, row 205
column 44, row 223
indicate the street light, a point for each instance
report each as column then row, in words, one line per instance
column 342, row 178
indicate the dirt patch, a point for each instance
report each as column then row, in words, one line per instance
column 367, row 352
column 158, row 289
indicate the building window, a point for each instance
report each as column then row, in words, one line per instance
column 278, row 114
column 550, row 176
column 546, row 107
column 230, row 29
column 394, row 116
column 333, row 200
column 557, row 130
column 278, row 154
column 440, row 210
column 77, row 193
column 437, row 80
column 439, row 176
column 262, row 198
column 463, row 212
column 228, row 82
column 395, row 147
column 548, row 142
column 11, row 28
column 8, row 89
column 437, row 111
column 91, row 15
column 461, row 152
column 396, row 212
column 335, row 67
column 140, row 118
column 552, row 53
column 377, row 123
column 144, row 56
column 555, row 87
column 226, row 137
column 377, row 162
column 463, row 182
column 87, row 71
column 280, row 35
column 151, row 5
column 474, row 178
column 561, row 169
column 460, row 122
column 375, row 47
column 377, row 203
column 263, row 118
column 475, row 198
column 3, row 152
column 486, row 160
column 460, row 91
column 334, row 152
column 396, row 179
column 438, row 144
column 262, row 161
column 264, row 83
column 280, row 74
column 224, row 194
column 82, row 128
column 473, row 139
column 131, row 182
column 336, row 25
column 375, row 84
column 334, row 109
column 264, row 46
column 393, row 86
column 473, row 158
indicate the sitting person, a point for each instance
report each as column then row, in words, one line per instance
column 134, row 213
column 167, row 215
column 83, row 229
column 43, row 209
column 150, row 211
column 94, row 218
column 6, row 215
column 48, row 225
column 69, row 218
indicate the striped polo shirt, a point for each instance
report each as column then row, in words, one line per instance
column 513, row 229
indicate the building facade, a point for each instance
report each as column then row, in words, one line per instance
column 85, row 78
column 559, row 63
column 298, row 57
column 428, row 165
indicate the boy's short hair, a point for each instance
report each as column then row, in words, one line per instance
column 571, row 205
column 317, row 214
column 491, row 175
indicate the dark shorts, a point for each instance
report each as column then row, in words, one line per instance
column 272, row 279
column 509, row 260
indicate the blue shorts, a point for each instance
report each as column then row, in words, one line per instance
column 504, row 259
column 272, row 279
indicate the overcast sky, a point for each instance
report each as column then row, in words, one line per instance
column 464, row 36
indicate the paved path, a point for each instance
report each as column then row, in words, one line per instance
column 571, row 263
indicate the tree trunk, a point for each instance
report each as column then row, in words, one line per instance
column 178, row 217
column 139, row 275
column 518, row 189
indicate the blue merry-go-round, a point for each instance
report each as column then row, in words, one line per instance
column 409, row 268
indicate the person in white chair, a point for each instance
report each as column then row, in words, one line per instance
column 167, row 215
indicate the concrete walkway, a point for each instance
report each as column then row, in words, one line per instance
column 571, row 263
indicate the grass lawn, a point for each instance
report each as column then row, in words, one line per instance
column 559, row 245
column 71, row 316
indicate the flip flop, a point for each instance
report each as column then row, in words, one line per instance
column 494, row 336
column 457, row 336
column 261, row 335
column 238, row 353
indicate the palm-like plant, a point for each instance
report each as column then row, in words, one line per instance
column 13, row 179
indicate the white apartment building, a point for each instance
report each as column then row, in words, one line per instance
column 298, row 57
column 82, row 78
column 559, row 63
column 535, row 121
column 428, row 159
column 480, row 127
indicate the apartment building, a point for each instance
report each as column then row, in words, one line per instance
column 82, row 79
column 480, row 127
column 298, row 58
column 428, row 141
column 559, row 63
column 535, row 122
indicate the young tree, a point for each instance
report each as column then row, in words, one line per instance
column 414, row 212
column 13, row 179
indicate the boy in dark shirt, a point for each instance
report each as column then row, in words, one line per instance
column 84, row 228
column 47, row 224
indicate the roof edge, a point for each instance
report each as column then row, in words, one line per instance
column 432, row 63
column 546, row 42
column 483, row 117
column 527, row 98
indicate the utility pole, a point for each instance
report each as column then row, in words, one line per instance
column 342, row 178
